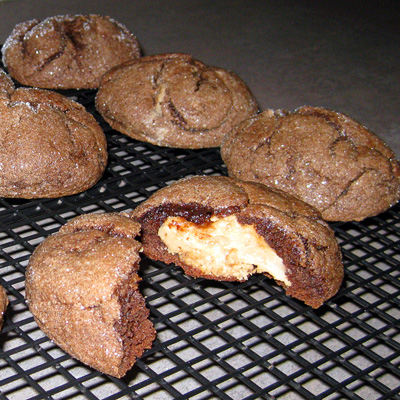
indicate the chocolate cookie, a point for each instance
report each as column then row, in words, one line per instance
column 3, row 304
column 67, row 51
column 82, row 288
column 323, row 157
column 174, row 100
column 50, row 145
column 225, row 229
column 6, row 85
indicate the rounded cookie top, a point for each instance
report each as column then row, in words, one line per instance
column 50, row 145
column 85, row 260
column 67, row 51
column 324, row 157
column 174, row 100
column 222, row 195
column 293, row 229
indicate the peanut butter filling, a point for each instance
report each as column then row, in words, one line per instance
column 222, row 247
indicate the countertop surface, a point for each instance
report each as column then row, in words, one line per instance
column 341, row 55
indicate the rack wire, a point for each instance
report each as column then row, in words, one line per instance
column 215, row 340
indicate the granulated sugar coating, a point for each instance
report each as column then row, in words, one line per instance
column 82, row 287
column 174, row 100
column 323, row 157
column 67, row 51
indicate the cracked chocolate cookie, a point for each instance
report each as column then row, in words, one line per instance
column 50, row 145
column 82, row 287
column 323, row 157
column 174, row 100
column 3, row 304
column 67, row 51
column 225, row 229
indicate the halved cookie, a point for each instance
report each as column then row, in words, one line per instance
column 82, row 287
column 225, row 229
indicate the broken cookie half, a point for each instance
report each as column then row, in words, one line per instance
column 82, row 288
column 223, row 228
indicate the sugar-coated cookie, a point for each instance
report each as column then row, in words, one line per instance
column 323, row 157
column 174, row 100
column 67, row 51
column 82, row 287
column 50, row 145
column 222, row 228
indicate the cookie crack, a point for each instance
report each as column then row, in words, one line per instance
column 347, row 188
column 179, row 120
column 156, row 77
column 72, row 35
column 199, row 80
column 263, row 142
column 177, row 117
column 315, row 113
column 75, row 152
column 342, row 138
column 22, row 39
column 56, row 55
column 35, row 105
column 266, row 141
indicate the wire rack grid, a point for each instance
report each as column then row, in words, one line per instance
column 215, row 340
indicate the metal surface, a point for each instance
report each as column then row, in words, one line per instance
column 216, row 340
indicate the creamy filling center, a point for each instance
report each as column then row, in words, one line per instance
column 222, row 247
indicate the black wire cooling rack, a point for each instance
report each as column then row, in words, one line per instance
column 216, row 340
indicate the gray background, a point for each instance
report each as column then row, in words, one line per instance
column 342, row 55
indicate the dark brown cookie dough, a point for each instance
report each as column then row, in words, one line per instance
column 174, row 100
column 50, row 146
column 67, row 51
column 323, row 157
column 82, row 288
column 3, row 304
column 225, row 229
